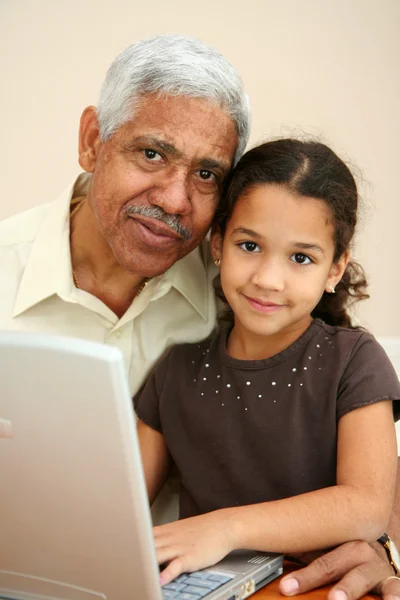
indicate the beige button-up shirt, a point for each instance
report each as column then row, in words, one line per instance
column 37, row 292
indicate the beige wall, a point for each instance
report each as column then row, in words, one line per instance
column 326, row 67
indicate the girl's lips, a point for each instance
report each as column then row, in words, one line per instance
column 263, row 306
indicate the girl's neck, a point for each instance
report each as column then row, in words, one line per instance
column 245, row 345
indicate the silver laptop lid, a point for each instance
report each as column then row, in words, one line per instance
column 74, row 515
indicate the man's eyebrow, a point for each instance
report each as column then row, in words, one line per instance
column 214, row 165
column 152, row 141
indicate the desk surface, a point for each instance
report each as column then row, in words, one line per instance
column 271, row 591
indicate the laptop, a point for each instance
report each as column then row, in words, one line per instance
column 75, row 522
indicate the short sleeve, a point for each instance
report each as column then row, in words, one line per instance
column 369, row 377
column 147, row 401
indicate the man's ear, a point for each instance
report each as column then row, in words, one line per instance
column 216, row 243
column 336, row 271
column 89, row 139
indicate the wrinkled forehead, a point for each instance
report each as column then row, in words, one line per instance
column 186, row 126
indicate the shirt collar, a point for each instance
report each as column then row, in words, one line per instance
column 48, row 270
column 191, row 277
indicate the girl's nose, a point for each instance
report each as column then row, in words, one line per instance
column 269, row 275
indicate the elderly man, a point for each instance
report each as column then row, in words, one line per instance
column 119, row 257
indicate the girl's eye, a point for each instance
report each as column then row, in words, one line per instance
column 152, row 154
column 301, row 259
column 249, row 247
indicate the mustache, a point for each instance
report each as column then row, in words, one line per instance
column 155, row 212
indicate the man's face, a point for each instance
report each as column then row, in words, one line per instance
column 156, row 183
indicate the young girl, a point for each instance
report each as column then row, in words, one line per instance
column 281, row 425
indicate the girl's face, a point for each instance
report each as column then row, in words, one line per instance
column 276, row 260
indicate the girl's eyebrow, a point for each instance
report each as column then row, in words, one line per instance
column 245, row 231
column 304, row 246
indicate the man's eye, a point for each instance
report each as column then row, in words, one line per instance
column 151, row 154
column 206, row 175
column 301, row 259
column 249, row 247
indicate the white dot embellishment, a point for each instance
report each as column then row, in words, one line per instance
column 301, row 384
column 216, row 391
column 248, row 382
column 245, row 409
column 238, row 397
column 222, row 404
column 228, row 385
column 202, row 394
column 289, row 385
column 260, row 395
column 207, row 365
column 273, row 383
column 204, row 378
column 294, row 370
column 305, row 368
column 318, row 346
column 218, row 376
column 309, row 358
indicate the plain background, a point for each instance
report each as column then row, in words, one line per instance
column 326, row 68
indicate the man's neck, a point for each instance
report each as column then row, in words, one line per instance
column 95, row 269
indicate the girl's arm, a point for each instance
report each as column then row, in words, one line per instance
column 155, row 459
column 358, row 507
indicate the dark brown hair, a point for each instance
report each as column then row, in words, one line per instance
column 306, row 169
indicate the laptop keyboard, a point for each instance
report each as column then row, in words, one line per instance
column 193, row 586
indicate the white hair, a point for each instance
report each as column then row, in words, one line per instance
column 171, row 65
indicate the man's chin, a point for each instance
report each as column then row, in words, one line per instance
column 147, row 261
column 151, row 267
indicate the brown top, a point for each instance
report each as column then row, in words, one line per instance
column 242, row 432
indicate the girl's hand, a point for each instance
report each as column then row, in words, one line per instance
column 194, row 543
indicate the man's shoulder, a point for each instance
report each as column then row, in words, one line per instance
column 22, row 227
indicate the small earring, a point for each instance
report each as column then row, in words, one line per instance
column 332, row 289
column 217, row 262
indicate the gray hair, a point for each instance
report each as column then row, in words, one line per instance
column 171, row 65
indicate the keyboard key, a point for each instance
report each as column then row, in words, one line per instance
column 169, row 594
column 200, row 574
column 207, row 583
column 182, row 578
column 176, row 587
column 185, row 596
column 200, row 591
column 220, row 578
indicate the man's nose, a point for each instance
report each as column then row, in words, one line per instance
column 172, row 195
column 269, row 275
